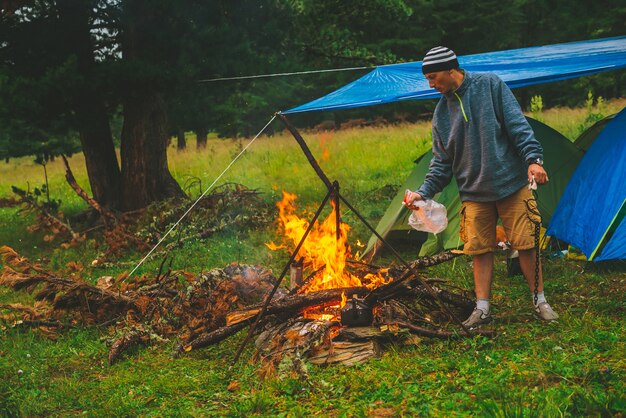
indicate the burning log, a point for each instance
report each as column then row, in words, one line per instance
column 294, row 303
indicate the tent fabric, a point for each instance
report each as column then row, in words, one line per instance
column 586, row 138
column 590, row 214
column 561, row 158
column 517, row 67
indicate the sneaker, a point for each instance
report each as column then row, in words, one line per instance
column 476, row 319
column 545, row 312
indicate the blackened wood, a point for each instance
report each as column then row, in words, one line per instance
column 297, row 302
column 359, row 333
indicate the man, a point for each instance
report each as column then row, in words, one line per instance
column 482, row 138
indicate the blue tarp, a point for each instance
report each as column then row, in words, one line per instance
column 590, row 214
column 517, row 67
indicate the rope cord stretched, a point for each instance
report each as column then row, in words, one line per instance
column 201, row 196
column 246, row 77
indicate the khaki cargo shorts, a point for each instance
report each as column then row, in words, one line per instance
column 478, row 222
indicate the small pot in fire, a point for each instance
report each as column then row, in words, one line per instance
column 356, row 313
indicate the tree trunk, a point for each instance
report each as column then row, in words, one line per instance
column 145, row 175
column 100, row 158
column 201, row 138
column 181, row 143
column 91, row 114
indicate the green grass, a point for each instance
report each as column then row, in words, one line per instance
column 574, row 367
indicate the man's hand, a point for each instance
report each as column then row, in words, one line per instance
column 538, row 172
column 410, row 197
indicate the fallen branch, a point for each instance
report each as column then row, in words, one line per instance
column 213, row 337
column 446, row 335
column 40, row 323
column 126, row 342
column 107, row 215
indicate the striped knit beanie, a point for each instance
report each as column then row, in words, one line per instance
column 439, row 58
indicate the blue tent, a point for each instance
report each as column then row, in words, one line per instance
column 517, row 67
column 591, row 212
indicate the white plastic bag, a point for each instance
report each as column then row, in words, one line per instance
column 428, row 216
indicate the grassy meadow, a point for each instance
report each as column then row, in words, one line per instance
column 573, row 367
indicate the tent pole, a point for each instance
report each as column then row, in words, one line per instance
column 307, row 151
column 332, row 187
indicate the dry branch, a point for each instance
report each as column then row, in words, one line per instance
column 212, row 337
column 440, row 333
column 52, row 221
column 40, row 323
column 107, row 216
column 126, row 342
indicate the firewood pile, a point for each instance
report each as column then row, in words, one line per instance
column 206, row 309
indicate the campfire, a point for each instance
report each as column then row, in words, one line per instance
column 323, row 255
column 339, row 310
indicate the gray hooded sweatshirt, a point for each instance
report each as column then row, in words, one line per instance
column 480, row 136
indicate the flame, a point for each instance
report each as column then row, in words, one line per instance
column 322, row 250
column 273, row 246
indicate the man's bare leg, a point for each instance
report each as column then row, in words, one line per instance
column 527, row 264
column 483, row 275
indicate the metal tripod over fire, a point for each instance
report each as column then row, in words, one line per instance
column 333, row 194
